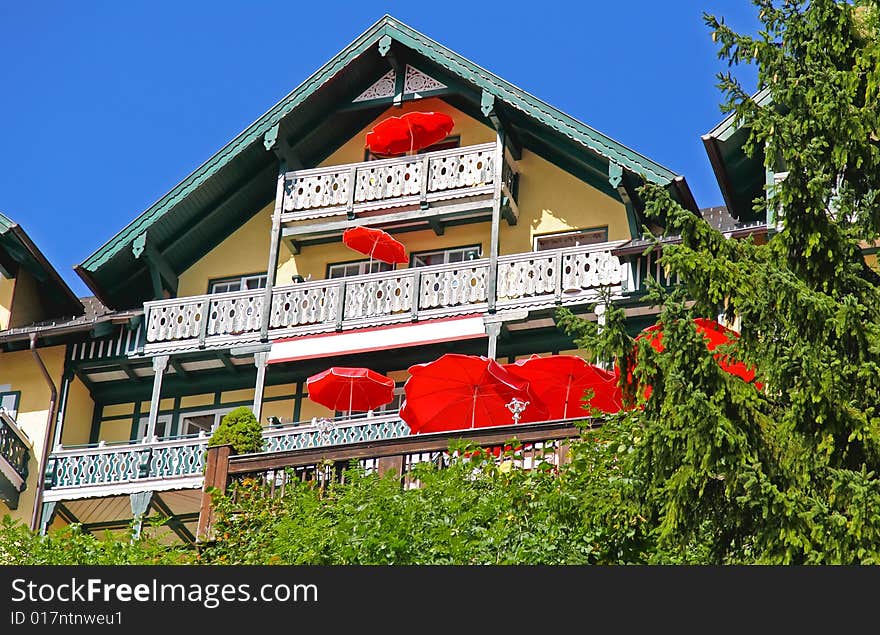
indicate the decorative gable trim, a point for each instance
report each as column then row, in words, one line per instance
column 415, row 82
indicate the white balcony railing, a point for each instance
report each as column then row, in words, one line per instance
column 389, row 183
column 527, row 280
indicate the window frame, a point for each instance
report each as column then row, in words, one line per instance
column 570, row 232
column 241, row 279
column 362, row 261
column 445, row 252
column 16, row 394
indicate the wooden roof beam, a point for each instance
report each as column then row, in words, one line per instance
column 501, row 124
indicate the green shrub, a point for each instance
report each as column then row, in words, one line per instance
column 240, row 429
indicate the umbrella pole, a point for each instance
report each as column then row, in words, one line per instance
column 565, row 403
column 474, row 407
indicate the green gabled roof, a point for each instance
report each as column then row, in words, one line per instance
column 740, row 178
column 107, row 271
column 18, row 251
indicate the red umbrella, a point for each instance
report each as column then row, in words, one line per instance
column 465, row 391
column 375, row 243
column 409, row 132
column 560, row 381
column 343, row 388
column 715, row 335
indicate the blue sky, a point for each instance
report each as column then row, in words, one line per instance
column 105, row 106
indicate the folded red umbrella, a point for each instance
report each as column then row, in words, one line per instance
column 349, row 389
column 456, row 392
column 375, row 243
column 409, row 132
column 560, row 381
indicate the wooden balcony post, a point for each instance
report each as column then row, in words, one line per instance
column 216, row 473
column 390, row 464
column 416, row 294
column 160, row 363
column 492, row 281
column 272, row 267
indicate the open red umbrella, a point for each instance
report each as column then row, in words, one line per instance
column 409, row 132
column 375, row 243
column 349, row 389
column 561, row 380
column 465, row 391
column 715, row 335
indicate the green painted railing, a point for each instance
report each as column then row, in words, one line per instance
column 128, row 463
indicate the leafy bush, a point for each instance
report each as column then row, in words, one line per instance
column 240, row 429
column 73, row 545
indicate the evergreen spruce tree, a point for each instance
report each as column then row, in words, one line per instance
column 720, row 469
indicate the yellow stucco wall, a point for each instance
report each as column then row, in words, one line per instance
column 873, row 262
column 7, row 288
column 77, row 415
column 245, row 251
column 471, row 131
column 550, row 200
column 26, row 305
column 20, row 369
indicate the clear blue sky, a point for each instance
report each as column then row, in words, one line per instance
column 105, row 106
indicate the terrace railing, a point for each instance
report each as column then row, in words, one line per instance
column 272, row 471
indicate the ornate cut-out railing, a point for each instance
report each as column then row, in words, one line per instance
column 14, row 448
column 534, row 279
column 388, row 183
column 121, row 463
column 102, row 465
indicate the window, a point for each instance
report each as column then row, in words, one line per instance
column 392, row 406
column 197, row 422
column 191, row 423
column 242, row 283
column 162, row 431
column 444, row 256
column 571, row 239
column 444, row 144
column 356, row 268
column 9, row 402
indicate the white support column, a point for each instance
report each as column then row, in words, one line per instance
column 260, row 361
column 272, row 267
column 493, row 330
column 62, row 409
column 492, row 282
column 140, row 505
column 160, row 363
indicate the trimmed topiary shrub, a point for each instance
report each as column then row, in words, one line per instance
column 240, row 429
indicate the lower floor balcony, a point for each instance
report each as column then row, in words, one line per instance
column 104, row 487
column 110, row 469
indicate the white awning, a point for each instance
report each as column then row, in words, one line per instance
column 377, row 339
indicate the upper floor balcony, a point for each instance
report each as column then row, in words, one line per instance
column 532, row 280
column 15, row 453
column 457, row 179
